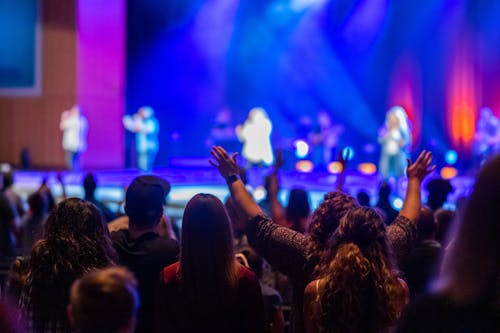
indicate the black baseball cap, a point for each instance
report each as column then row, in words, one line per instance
column 146, row 196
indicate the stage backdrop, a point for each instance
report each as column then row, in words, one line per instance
column 354, row 58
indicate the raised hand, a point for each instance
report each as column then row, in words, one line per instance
column 278, row 163
column 226, row 164
column 274, row 185
column 341, row 159
column 421, row 167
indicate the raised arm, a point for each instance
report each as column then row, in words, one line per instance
column 402, row 233
column 284, row 248
column 228, row 168
column 341, row 176
column 416, row 173
column 277, row 211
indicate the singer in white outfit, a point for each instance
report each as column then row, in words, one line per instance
column 255, row 134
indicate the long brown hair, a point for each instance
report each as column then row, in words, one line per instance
column 75, row 241
column 362, row 292
column 208, row 268
column 324, row 222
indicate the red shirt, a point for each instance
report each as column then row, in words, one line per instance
column 243, row 313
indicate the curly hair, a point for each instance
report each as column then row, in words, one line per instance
column 325, row 221
column 362, row 292
column 75, row 241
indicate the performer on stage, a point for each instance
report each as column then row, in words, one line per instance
column 395, row 139
column 223, row 132
column 146, row 128
column 74, row 126
column 487, row 138
column 255, row 134
column 324, row 139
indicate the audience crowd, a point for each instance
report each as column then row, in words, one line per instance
column 243, row 266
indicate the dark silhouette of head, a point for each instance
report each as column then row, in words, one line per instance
column 145, row 200
column 384, row 191
column 8, row 180
column 444, row 219
column 89, row 186
column 38, row 204
column 298, row 209
column 363, row 198
column 438, row 189
column 426, row 224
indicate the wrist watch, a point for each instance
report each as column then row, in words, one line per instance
column 231, row 179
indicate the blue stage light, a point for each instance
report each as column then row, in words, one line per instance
column 451, row 157
column 348, row 153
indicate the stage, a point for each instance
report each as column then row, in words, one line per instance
column 189, row 176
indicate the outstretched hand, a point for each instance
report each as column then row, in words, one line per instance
column 279, row 161
column 226, row 164
column 341, row 159
column 274, row 185
column 421, row 167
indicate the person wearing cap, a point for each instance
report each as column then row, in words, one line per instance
column 146, row 127
column 140, row 248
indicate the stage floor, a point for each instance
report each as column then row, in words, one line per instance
column 188, row 180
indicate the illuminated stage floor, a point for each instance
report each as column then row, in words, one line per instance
column 189, row 180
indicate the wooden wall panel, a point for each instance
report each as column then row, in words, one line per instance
column 32, row 122
column 83, row 61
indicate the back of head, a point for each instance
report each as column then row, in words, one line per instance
column 363, row 198
column 326, row 217
column 364, row 227
column 438, row 189
column 104, row 301
column 426, row 224
column 76, row 222
column 145, row 199
column 444, row 219
column 75, row 241
column 207, row 259
column 8, row 179
column 298, row 207
column 470, row 270
column 362, row 294
column 384, row 191
column 38, row 204
column 89, row 185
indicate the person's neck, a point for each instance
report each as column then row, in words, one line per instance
column 136, row 232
